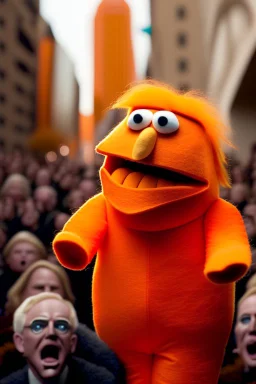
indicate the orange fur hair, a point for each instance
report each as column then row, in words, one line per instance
column 155, row 95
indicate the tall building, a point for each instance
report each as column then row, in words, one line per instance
column 210, row 46
column 38, row 88
column 18, row 63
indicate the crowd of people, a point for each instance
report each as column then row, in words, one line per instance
column 37, row 197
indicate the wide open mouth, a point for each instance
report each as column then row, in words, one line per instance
column 251, row 349
column 50, row 355
column 139, row 175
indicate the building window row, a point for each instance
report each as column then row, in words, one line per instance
column 2, row 98
column 22, row 91
column 2, row 46
column 19, row 128
column 181, row 12
column 2, row 22
column 2, row 74
column 2, row 121
column 25, row 40
column 182, row 42
column 22, row 67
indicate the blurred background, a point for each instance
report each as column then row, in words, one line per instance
column 62, row 64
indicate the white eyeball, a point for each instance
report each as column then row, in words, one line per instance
column 139, row 119
column 165, row 122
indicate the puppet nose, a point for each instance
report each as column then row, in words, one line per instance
column 144, row 144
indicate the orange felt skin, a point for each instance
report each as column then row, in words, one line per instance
column 168, row 251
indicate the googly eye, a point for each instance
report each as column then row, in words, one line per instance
column 139, row 119
column 165, row 122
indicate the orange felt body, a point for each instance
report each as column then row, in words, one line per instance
column 168, row 251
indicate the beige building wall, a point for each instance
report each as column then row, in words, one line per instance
column 220, row 49
column 65, row 94
column 18, row 43
column 178, row 57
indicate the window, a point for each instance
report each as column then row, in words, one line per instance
column 32, row 5
column 2, row 46
column 25, row 41
column 20, row 128
column 2, row 74
column 182, row 39
column 2, row 98
column 2, row 121
column 181, row 12
column 20, row 89
column 20, row 110
column 182, row 65
column 23, row 68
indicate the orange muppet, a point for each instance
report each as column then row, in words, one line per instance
column 168, row 248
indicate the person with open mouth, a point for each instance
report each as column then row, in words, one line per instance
column 44, row 332
column 244, row 369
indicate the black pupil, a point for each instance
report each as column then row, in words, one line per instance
column 162, row 121
column 137, row 118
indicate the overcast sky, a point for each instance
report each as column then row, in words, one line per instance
column 72, row 25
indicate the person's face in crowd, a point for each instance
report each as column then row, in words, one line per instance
column 250, row 226
column 224, row 193
column 31, row 170
column 45, row 200
column 75, row 200
column 30, row 215
column 60, row 220
column 238, row 193
column 47, row 338
column 15, row 191
column 21, row 256
column 42, row 280
column 16, row 166
column 250, row 209
column 43, row 177
column 237, row 174
column 8, row 208
column 66, row 182
column 245, row 331
column 88, row 188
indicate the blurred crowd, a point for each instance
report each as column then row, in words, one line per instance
column 37, row 197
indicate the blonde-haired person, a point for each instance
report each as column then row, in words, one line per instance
column 16, row 187
column 44, row 332
column 43, row 276
column 19, row 317
column 244, row 368
column 22, row 250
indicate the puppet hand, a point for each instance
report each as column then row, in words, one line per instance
column 226, row 266
column 70, row 250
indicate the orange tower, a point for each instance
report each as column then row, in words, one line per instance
column 114, row 61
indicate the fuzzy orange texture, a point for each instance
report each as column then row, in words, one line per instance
column 167, row 257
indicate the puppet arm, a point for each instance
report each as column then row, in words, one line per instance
column 228, row 254
column 81, row 236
